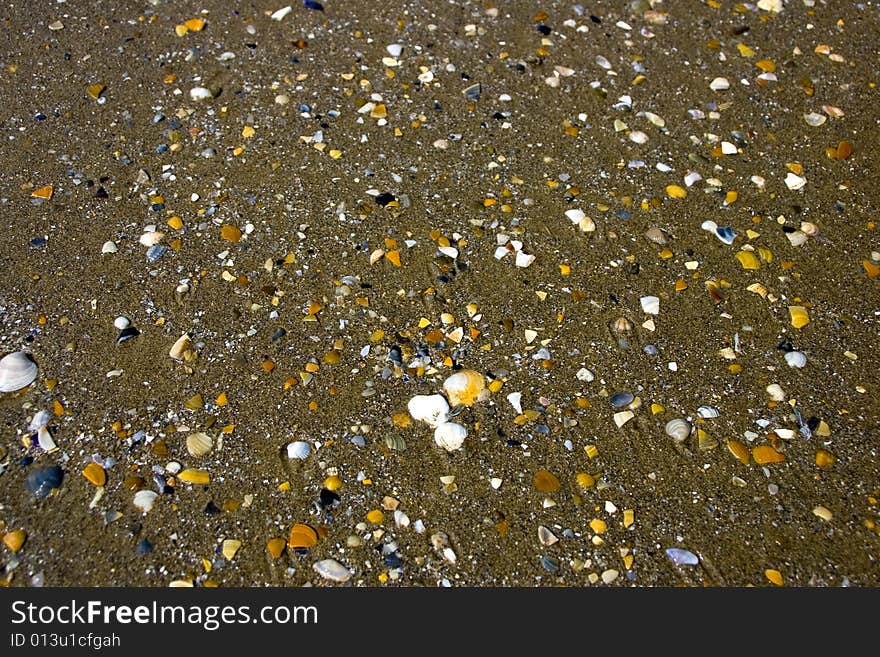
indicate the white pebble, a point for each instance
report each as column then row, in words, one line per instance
column 121, row 322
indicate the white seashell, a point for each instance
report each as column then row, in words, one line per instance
column 719, row 84
column 151, row 237
column 121, row 322
column 109, row 247
column 708, row 412
column 183, row 344
column 44, row 438
column 814, row 119
column 797, row 238
column 430, row 409
column 545, row 536
column 298, row 449
column 394, row 49
column 281, row 13
column 464, row 387
column 795, row 359
column 575, row 215
column 793, row 181
column 450, row 436
column 200, row 93
column 584, row 375
column 678, row 429
column 332, row 570
column 199, row 444
column 515, row 399
column 449, row 251
column 41, row 419
column 17, row 370
column 785, row 434
column 623, row 417
column 524, row 259
column 776, row 392
column 145, row 499
column 651, row 305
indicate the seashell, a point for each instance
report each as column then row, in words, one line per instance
column 41, row 419
column 678, row 429
column 44, row 439
column 332, row 570
column 545, row 536
column 181, row 347
column 584, row 375
column 199, row 444
column 17, row 370
column 109, row 247
column 450, row 436
column 127, row 334
column 776, row 392
column 144, row 500
column 151, row 237
column 708, row 412
column 430, row 409
column 298, row 449
column 121, row 322
column 656, row 235
column 200, row 93
column 650, row 305
column 621, row 325
column 230, row 548
column 795, row 359
column 302, row 536
column 797, row 238
column 682, row 557
column 41, row 481
column 464, row 387
column 14, row 539
column 515, row 399
column 623, row 417
column 395, row 442
column 799, row 316
column 621, row 399
column 809, row 228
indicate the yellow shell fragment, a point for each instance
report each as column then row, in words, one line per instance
column 333, row 483
column 230, row 233
column 824, row 458
column 799, row 316
column 230, row 548
column 302, row 536
column 95, row 474
column 275, row 547
column 376, row 516
column 14, row 539
column 764, row 454
column 44, row 192
column 599, row 526
column 585, row 480
column 629, row 517
column 739, row 450
column 774, row 576
column 674, row 191
column 748, row 260
column 464, row 387
column 193, row 476
column 194, row 24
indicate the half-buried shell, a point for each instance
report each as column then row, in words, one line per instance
column 17, row 370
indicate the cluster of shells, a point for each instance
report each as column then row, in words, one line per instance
column 464, row 388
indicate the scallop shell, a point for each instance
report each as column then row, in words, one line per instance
column 199, row 444
column 145, row 499
column 464, row 387
column 678, row 429
column 395, row 442
column 179, row 349
column 431, row 409
column 17, row 370
column 450, row 436
column 298, row 449
column 621, row 325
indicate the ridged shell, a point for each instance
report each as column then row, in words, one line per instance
column 430, row 409
column 678, row 429
column 298, row 449
column 332, row 570
column 17, row 370
column 708, row 412
column 450, row 436
column 302, row 536
column 395, row 442
column 199, row 444
column 464, row 387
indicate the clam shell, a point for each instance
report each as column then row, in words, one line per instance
column 431, row 409
column 44, row 438
column 298, row 449
column 332, row 570
column 144, row 500
column 450, row 436
column 678, row 429
column 302, row 536
column 179, row 349
column 199, row 444
column 621, row 399
column 17, row 370
column 464, row 387
column 708, row 412
column 395, row 442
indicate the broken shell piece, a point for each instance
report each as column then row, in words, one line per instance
column 678, row 429
column 776, row 392
column 40, row 419
column 450, row 436
column 795, row 359
column 545, row 536
column 109, row 247
column 651, row 305
column 623, row 417
column 298, row 449
column 44, row 438
column 199, row 444
column 332, row 570
column 799, row 316
column 794, row 181
column 200, row 93
column 17, row 370
column 430, row 409
column 464, row 387
column 181, row 347
column 151, row 238
column 145, row 499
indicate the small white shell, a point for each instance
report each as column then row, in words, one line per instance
column 199, row 444
column 121, row 322
column 109, row 247
column 17, row 371
column 515, row 399
column 708, row 412
column 651, row 305
column 795, row 359
column 298, row 449
column 678, row 429
column 44, row 438
column 430, row 409
column 450, row 436
column 145, row 499
column 41, row 419
column 332, row 570
column 622, row 417
column 776, row 392
column 200, row 93
column 179, row 349
column 151, row 237
column 545, row 536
